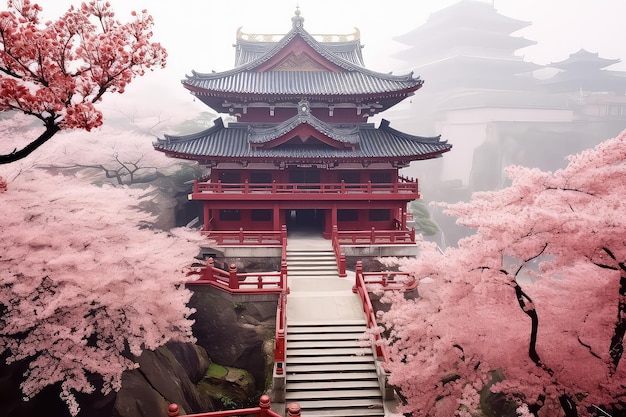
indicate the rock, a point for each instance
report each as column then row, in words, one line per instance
column 166, row 375
column 235, row 388
column 234, row 333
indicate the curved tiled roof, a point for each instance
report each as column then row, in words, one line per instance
column 301, row 83
column 233, row 142
column 354, row 80
column 263, row 134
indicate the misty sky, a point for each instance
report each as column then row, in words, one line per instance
column 199, row 34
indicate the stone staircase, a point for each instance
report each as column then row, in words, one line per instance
column 327, row 371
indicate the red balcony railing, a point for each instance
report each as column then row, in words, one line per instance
column 228, row 190
column 247, row 237
column 373, row 237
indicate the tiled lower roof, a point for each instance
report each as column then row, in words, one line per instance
column 317, row 83
column 233, row 142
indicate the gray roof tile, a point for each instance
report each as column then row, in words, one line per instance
column 234, row 142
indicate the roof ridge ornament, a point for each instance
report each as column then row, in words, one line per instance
column 297, row 21
column 304, row 108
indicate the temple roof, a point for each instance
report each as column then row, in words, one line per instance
column 583, row 60
column 300, row 65
column 235, row 141
column 250, row 47
column 465, row 13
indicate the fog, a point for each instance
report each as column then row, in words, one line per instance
column 199, row 35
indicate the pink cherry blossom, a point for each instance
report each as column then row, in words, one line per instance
column 57, row 71
column 532, row 305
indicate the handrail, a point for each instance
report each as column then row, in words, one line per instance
column 402, row 186
column 360, row 289
column 281, row 312
column 263, row 410
column 374, row 236
column 234, row 282
column 245, row 237
column 388, row 280
column 340, row 257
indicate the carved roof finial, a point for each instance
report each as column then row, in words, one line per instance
column 297, row 21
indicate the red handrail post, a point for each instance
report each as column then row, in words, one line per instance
column 233, row 279
column 264, row 405
column 172, row 410
column 293, row 410
column 208, row 270
column 283, row 275
column 241, row 235
column 413, row 235
column 342, row 266
column 273, row 186
column 373, row 236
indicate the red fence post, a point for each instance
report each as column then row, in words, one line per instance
column 264, row 405
column 342, row 266
column 208, row 270
column 373, row 236
column 283, row 275
column 293, row 410
column 233, row 279
column 241, row 235
column 172, row 410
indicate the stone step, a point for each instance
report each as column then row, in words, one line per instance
column 317, row 351
column 329, row 360
column 356, row 336
column 292, row 368
column 334, row 385
column 338, row 407
column 324, row 344
column 321, row 328
column 330, row 378
column 332, row 393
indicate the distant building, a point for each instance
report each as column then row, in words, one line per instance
column 302, row 153
column 482, row 95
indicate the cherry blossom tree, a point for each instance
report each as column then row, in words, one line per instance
column 85, row 284
column 57, row 71
column 531, row 306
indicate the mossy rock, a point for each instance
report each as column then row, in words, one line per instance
column 233, row 387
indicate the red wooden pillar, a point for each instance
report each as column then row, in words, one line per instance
column 333, row 215
column 276, row 217
column 207, row 216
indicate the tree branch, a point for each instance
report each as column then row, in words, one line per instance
column 51, row 130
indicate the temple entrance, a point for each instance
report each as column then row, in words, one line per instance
column 309, row 221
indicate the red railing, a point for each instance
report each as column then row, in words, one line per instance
column 387, row 280
column 361, row 290
column 263, row 410
column 241, row 283
column 374, row 236
column 234, row 282
column 247, row 237
column 281, row 319
column 404, row 186
column 340, row 257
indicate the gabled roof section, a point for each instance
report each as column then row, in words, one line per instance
column 339, row 137
column 298, row 64
column 232, row 142
column 252, row 46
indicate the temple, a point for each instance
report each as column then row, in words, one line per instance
column 302, row 152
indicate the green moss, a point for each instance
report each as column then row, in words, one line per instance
column 216, row 371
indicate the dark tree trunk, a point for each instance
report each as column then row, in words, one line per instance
column 16, row 155
column 617, row 340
